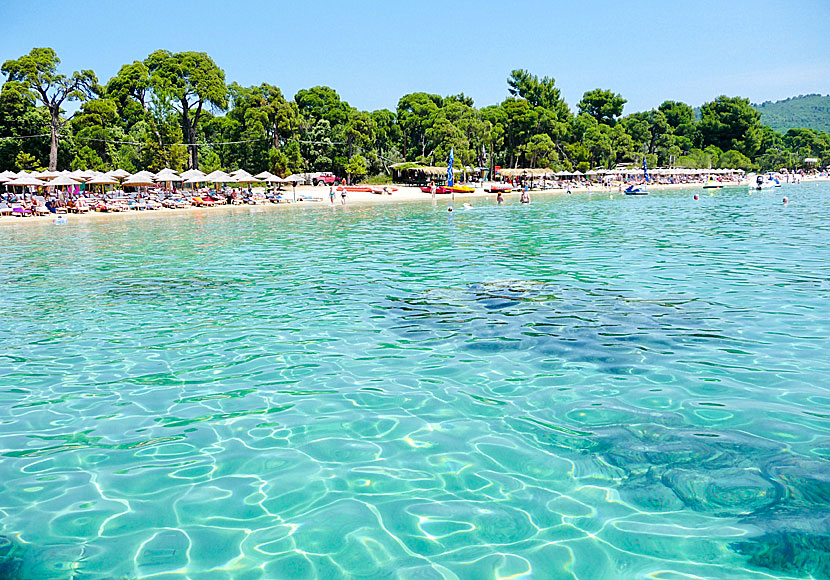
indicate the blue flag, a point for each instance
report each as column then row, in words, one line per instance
column 449, row 167
column 645, row 168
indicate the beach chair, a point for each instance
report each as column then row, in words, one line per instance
column 5, row 209
column 39, row 207
column 19, row 211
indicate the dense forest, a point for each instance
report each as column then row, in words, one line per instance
column 803, row 111
column 178, row 110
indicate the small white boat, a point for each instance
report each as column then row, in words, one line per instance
column 712, row 183
column 761, row 182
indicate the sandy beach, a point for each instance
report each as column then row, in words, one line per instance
column 403, row 194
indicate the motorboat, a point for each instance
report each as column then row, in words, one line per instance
column 712, row 183
column 635, row 190
column 762, row 182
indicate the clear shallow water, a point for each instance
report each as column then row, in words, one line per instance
column 583, row 388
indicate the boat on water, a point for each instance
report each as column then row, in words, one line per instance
column 712, row 183
column 762, row 182
column 639, row 189
column 635, row 190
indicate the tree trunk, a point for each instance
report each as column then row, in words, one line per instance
column 54, row 127
column 193, row 152
column 190, row 138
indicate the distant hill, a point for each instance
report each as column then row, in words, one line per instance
column 803, row 111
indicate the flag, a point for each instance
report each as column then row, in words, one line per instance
column 449, row 167
column 645, row 168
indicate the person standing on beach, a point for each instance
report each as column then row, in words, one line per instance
column 331, row 194
column 432, row 189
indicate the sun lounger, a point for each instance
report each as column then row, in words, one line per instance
column 19, row 211
column 39, row 207
column 5, row 209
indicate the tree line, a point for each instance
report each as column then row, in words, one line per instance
column 178, row 110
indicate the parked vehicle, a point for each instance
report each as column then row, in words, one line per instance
column 325, row 178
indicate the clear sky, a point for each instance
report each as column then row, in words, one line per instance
column 373, row 52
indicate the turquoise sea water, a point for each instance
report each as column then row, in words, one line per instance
column 589, row 387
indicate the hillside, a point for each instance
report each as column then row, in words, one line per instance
column 810, row 111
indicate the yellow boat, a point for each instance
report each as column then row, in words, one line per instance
column 459, row 189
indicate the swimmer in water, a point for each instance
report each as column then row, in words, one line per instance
column 525, row 197
column 499, row 198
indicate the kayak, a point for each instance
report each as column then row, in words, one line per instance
column 358, row 189
column 460, row 189
column 380, row 190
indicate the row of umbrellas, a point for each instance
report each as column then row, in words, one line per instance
column 142, row 178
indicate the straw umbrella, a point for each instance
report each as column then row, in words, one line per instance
column 294, row 180
column 119, row 174
column 26, row 181
column 192, row 173
column 102, row 180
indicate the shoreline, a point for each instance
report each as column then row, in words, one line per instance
column 404, row 194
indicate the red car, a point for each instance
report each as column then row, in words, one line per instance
column 325, row 178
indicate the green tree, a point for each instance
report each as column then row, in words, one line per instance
column 322, row 103
column 356, row 168
column 28, row 162
column 603, row 105
column 20, row 117
column 36, row 77
column 417, row 112
column 731, row 123
column 735, row 160
column 538, row 92
column 188, row 81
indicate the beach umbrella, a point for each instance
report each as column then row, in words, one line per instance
column 119, row 174
column 296, row 178
column 63, row 181
column 264, row 175
column 192, row 173
column 243, row 176
column 167, row 177
column 219, row 177
column 138, row 181
column 27, row 181
column 103, row 180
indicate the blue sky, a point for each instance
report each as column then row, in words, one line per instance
column 374, row 52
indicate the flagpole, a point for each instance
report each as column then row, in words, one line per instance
column 449, row 175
